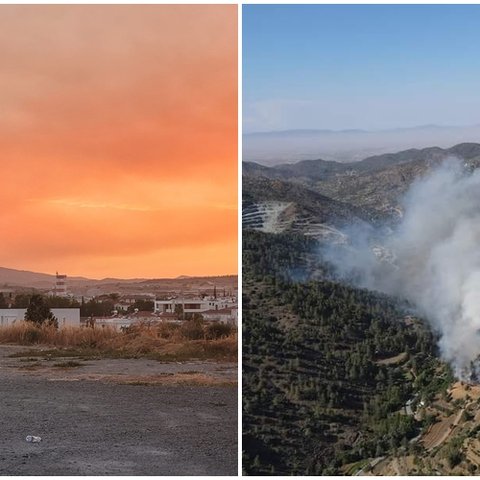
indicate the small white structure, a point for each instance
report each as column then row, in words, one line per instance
column 116, row 323
column 223, row 315
column 119, row 322
column 67, row 317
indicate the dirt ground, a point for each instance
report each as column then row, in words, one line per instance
column 117, row 417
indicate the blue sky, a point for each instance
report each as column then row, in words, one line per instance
column 360, row 66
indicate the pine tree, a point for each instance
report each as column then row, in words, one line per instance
column 39, row 313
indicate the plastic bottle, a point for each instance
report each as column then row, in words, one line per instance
column 33, row 439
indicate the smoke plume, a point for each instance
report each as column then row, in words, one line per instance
column 432, row 259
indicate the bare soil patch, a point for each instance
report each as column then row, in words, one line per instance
column 117, row 417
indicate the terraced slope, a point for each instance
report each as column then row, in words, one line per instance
column 375, row 184
column 276, row 206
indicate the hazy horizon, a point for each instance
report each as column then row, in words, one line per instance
column 273, row 148
column 142, row 277
column 359, row 130
column 369, row 67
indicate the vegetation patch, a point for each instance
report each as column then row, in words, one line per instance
column 197, row 379
column 165, row 342
column 315, row 397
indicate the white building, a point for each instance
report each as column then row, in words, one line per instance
column 113, row 322
column 119, row 322
column 222, row 315
column 193, row 305
column 67, row 317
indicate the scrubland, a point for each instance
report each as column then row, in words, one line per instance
column 165, row 342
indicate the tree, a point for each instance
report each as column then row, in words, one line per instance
column 142, row 305
column 179, row 310
column 21, row 300
column 39, row 313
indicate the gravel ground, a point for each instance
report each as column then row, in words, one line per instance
column 101, row 427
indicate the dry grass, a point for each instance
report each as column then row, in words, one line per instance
column 460, row 391
column 25, row 333
column 165, row 342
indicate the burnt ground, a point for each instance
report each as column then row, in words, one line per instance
column 93, row 423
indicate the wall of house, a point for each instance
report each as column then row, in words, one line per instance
column 67, row 317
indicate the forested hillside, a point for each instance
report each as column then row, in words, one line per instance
column 328, row 369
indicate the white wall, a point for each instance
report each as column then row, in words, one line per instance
column 205, row 304
column 66, row 316
column 11, row 315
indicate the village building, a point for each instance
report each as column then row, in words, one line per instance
column 67, row 317
column 222, row 315
column 193, row 305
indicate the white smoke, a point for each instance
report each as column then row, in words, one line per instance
column 432, row 259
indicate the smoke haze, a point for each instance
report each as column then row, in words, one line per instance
column 273, row 148
column 432, row 259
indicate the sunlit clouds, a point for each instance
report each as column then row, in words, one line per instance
column 118, row 139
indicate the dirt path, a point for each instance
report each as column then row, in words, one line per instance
column 93, row 422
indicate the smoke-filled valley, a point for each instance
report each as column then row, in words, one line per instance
column 431, row 258
column 360, row 312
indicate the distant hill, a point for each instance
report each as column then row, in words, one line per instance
column 374, row 184
column 21, row 278
column 24, row 278
column 324, row 169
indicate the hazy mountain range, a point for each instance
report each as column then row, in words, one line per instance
column 273, row 148
column 312, row 196
column 12, row 279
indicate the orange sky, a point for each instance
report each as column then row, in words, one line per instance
column 118, row 139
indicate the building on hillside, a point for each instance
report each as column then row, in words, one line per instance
column 67, row 317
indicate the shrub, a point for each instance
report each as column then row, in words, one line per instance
column 31, row 335
column 167, row 330
column 192, row 330
column 215, row 331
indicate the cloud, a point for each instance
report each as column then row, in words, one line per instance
column 118, row 124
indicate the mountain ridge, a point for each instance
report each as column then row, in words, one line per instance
column 25, row 278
